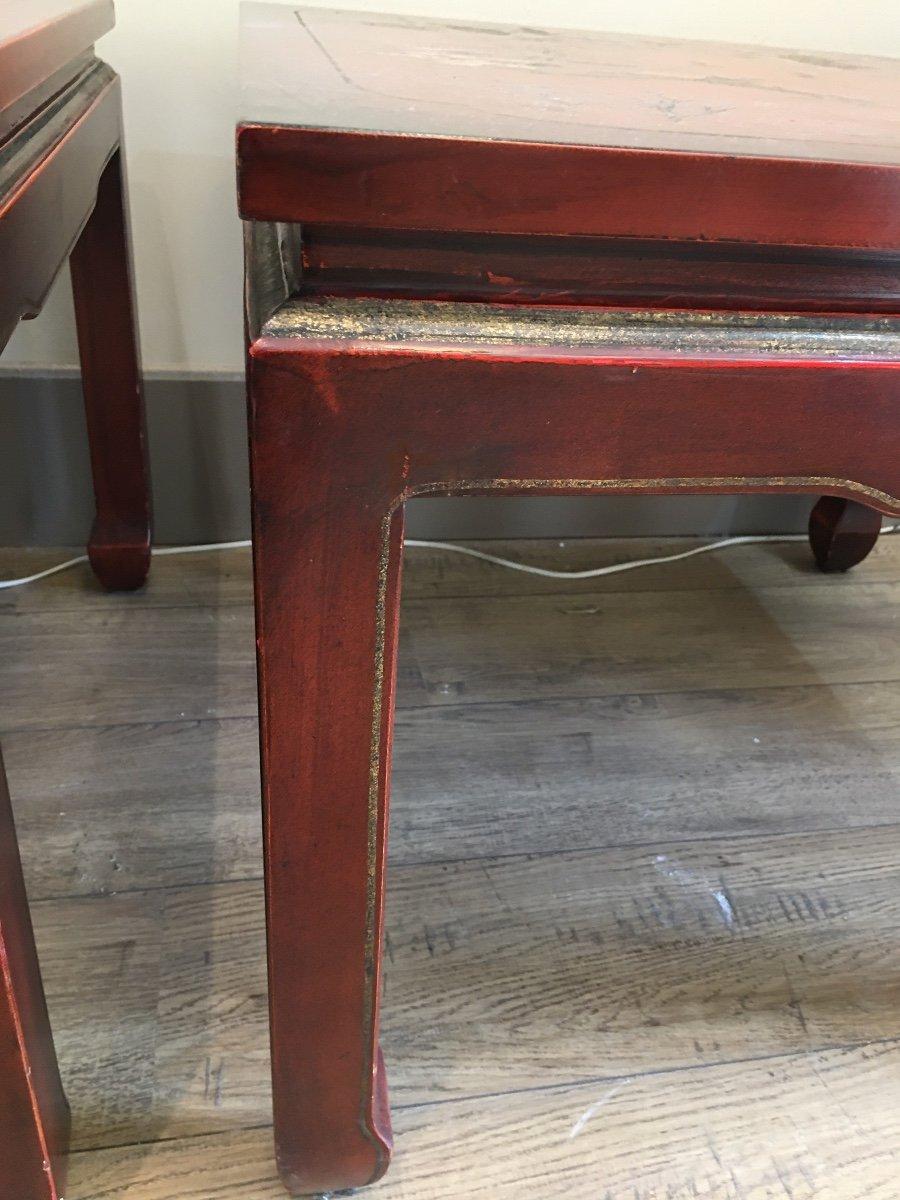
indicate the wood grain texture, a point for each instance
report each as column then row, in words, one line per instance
column 396, row 392
column 738, row 1132
column 534, row 932
column 95, row 803
column 325, row 771
column 216, row 579
column 613, row 645
column 316, row 176
column 471, row 651
column 502, row 976
column 175, row 671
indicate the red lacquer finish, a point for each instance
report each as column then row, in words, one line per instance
column 119, row 546
column 340, row 438
column 332, row 1126
column 636, row 272
column 61, row 195
column 34, row 1116
column 424, row 166
column 842, row 532
column 42, row 38
column 336, row 177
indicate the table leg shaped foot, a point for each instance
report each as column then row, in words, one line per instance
column 119, row 547
column 322, row 1173
column 120, row 559
column 327, row 568
column 842, row 532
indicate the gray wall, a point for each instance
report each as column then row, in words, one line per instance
column 199, row 463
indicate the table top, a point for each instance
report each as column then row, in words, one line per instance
column 38, row 40
column 376, row 72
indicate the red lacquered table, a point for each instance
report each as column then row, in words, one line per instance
column 485, row 259
column 61, row 197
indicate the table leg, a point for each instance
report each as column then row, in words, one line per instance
column 327, row 573
column 842, row 532
column 119, row 546
column 34, row 1116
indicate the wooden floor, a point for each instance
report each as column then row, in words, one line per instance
column 644, row 892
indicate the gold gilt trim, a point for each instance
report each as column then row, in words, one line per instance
column 662, row 485
column 802, row 483
column 463, row 325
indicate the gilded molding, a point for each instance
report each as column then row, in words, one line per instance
column 458, row 326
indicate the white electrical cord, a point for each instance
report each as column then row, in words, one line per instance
column 546, row 572
column 83, row 558
column 613, row 568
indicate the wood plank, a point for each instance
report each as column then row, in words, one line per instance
column 233, row 1166
column 113, row 809
column 820, row 1125
column 540, row 777
column 158, row 1004
column 517, row 974
column 115, row 666
column 440, row 575
column 101, row 968
column 477, row 650
column 501, row 976
column 214, row 579
column 107, row 809
column 224, row 578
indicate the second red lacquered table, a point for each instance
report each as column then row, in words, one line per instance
column 62, row 197
column 490, row 259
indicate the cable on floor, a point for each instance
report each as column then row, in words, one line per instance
column 455, row 548
column 83, row 558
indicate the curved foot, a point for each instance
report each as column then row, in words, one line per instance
column 120, row 560
column 842, row 532
column 353, row 1158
